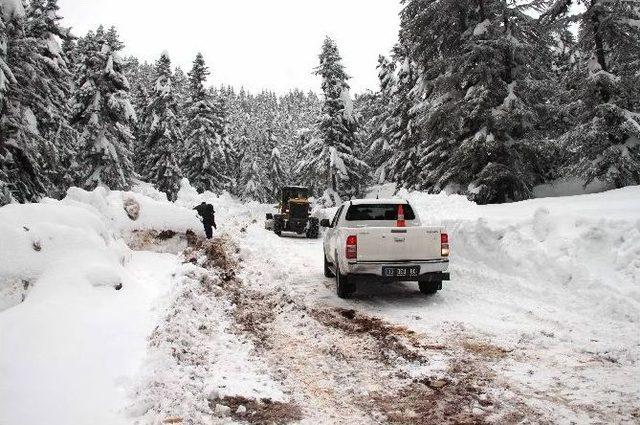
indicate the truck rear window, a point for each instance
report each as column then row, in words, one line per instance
column 372, row 212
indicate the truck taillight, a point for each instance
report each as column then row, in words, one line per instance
column 444, row 244
column 352, row 247
column 401, row 221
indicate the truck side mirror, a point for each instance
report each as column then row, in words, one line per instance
column 325, row 223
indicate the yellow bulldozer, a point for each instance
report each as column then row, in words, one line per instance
column 294, row 214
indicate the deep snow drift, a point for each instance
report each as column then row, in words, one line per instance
column 89, row 327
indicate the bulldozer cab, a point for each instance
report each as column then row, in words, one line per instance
column 293, row 195
column 294, row 214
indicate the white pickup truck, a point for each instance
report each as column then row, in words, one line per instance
column 383, row 240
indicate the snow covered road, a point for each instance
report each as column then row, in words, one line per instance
column 533, row 338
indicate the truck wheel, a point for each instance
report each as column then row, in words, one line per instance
column 430, row 288
column 278, row 225
column 327, row 270
column 344, row 288
column 314, row 228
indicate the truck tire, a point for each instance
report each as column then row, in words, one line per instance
column 314, row 228
column 344, row 288
column 430, row 288
column 278, row 225
column 327, row 269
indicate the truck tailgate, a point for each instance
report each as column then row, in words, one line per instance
column 399, row 244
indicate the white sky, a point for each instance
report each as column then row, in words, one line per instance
column 258, row 44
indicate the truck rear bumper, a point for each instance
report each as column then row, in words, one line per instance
column 429, row 269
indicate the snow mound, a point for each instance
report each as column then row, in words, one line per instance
column 52, row 237
column 154, row 213
column 76, row 304
column 587, row 246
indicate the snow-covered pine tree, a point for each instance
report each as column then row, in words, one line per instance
column 254, row 178
column 381, row 123
column 370, row 112
column 483, row 78
column 103, row 114
column 182, row 92
column 299, row 112
column 400, row 134
column 6, row 78
column 236, row 136
column 159, row 165
column 24, row 153
column 331, row 157
column 205, row 159
column 52, row 85
column 141, row 77
column 277, row 175
column 604, row 142
column 221, row 109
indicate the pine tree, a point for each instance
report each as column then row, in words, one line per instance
column 141, row 77
column 604, row 141
column 7, row 78
column 400, row 134
column 254, row 189
column 182, row 92
column 51, row 92
column 331, row 157
column 158, row 155
column 481, row 85
column 25, row 154
column 226, row 144
column 276, row 171
column 379, row 109
column 205, row 161
column 103, row 113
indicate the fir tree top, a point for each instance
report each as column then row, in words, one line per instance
column 197, row 77
column 331, row 69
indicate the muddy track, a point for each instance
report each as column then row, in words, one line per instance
column 345, row 366
column 338, row 365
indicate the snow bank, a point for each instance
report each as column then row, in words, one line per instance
column 52, row 238
column 76, row 304
column 155, row 213
column 586, row 247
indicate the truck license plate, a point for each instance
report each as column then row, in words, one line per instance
column 401, row 272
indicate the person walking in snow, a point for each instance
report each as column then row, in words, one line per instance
column 207, row 213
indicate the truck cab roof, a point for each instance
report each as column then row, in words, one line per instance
column 388, row 201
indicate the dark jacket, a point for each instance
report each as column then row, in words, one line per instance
column 207, row 213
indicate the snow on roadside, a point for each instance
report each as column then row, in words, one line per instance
column 195, row 358
column 98, row 333
column 76, row 305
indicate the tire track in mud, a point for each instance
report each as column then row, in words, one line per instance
column 344, row 366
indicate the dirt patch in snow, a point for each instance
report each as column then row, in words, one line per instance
column 262, row 411
column 166, row 241
column 13, row 292
column 467, row 394
column 391, row 338
column 485, row 349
